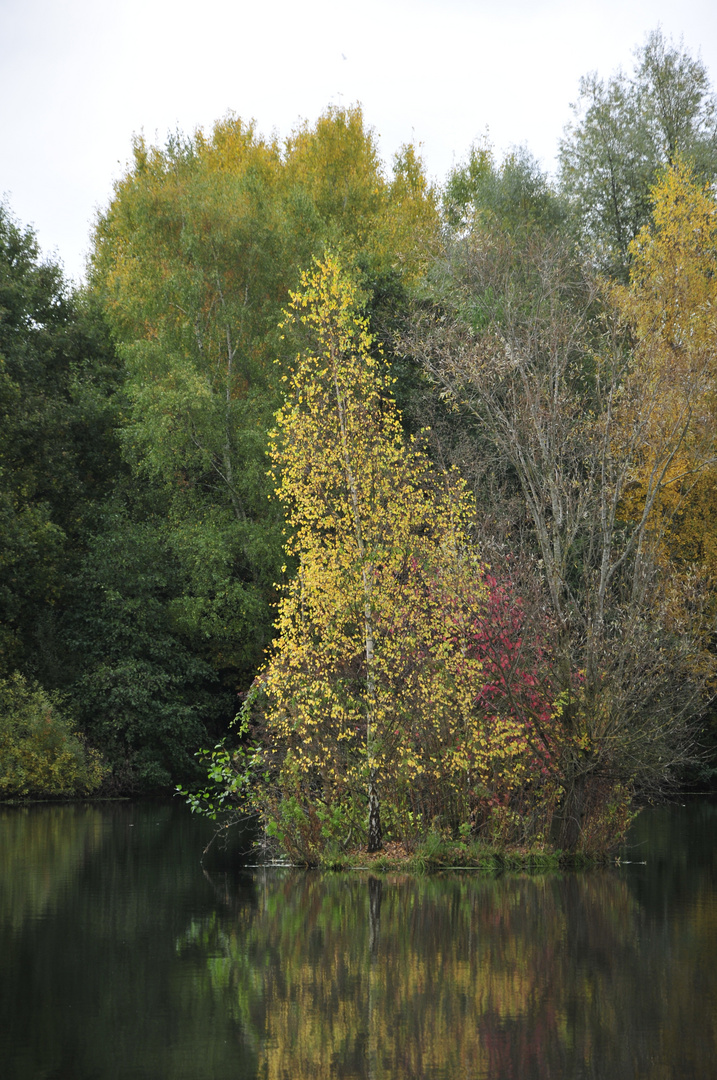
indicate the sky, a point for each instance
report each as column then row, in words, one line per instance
column 79, row 77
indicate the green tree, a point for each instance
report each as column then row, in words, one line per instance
column 189, row 264
column 58, row 454
column 90, row 589
column 626, row 129
column 40, row 754
column 142, row 692
column 514, row 195
column 192, row 262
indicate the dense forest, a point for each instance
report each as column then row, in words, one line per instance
column 402, row 497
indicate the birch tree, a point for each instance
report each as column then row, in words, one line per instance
column 371, row 684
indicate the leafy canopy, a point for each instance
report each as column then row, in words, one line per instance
column 626, row 129
column 193, row 261
column 372, row 696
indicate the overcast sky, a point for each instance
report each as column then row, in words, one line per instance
column 79, row 77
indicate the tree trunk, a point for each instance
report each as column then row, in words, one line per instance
column 375, row 836
column 571, row 825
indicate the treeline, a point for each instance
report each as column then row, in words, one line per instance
column 553, row 339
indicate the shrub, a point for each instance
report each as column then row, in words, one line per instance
column 40, row 754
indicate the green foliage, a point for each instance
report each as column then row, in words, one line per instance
column 57, row 451
column 192, row 263
column 141, row 560
column 627, row 129
column 141, row 689
column 514, row 196
column 32, row 316
column 40, row 753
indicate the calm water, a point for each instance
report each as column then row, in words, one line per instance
column 121, row 958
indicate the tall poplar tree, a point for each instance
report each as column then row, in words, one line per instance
column 671, row 305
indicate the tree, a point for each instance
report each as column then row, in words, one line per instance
column 514, row 195
column 141, row 691
column 670, row 305
column 58, row 454
column 400, row 678
column 370, row 686
column 89, row 587
column 625, row 130
column 193, row 260
column 381, row 223
column 525, row 346
column 40, row 754
column 190, row 263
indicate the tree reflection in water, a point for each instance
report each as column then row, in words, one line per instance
column 463, row 976
column 119, row 959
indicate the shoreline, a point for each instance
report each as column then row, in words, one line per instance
column 434, row 857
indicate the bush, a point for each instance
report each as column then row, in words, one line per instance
column 40, row 754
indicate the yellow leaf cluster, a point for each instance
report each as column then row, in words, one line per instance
column 371, row 671
column 671, row 304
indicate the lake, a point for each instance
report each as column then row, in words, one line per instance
column 120, row 957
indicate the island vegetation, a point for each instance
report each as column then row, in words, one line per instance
column 380, row 510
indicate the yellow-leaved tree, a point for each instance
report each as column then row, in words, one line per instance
column 402, row 695
column 671, row 303
column 371, row 686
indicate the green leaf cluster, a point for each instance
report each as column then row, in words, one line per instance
column 625, row 130
column 41, row 755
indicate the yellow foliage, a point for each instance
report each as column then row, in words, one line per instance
column 673, row 288
column 373, row 676
column 671, row 304
column 394, row 224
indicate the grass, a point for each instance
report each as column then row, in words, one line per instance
column 435, row 854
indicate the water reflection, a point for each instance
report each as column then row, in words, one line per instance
column 453, row 977
column 120, row 958
column 605, row 974
column 41, row 849
column 91, row 986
